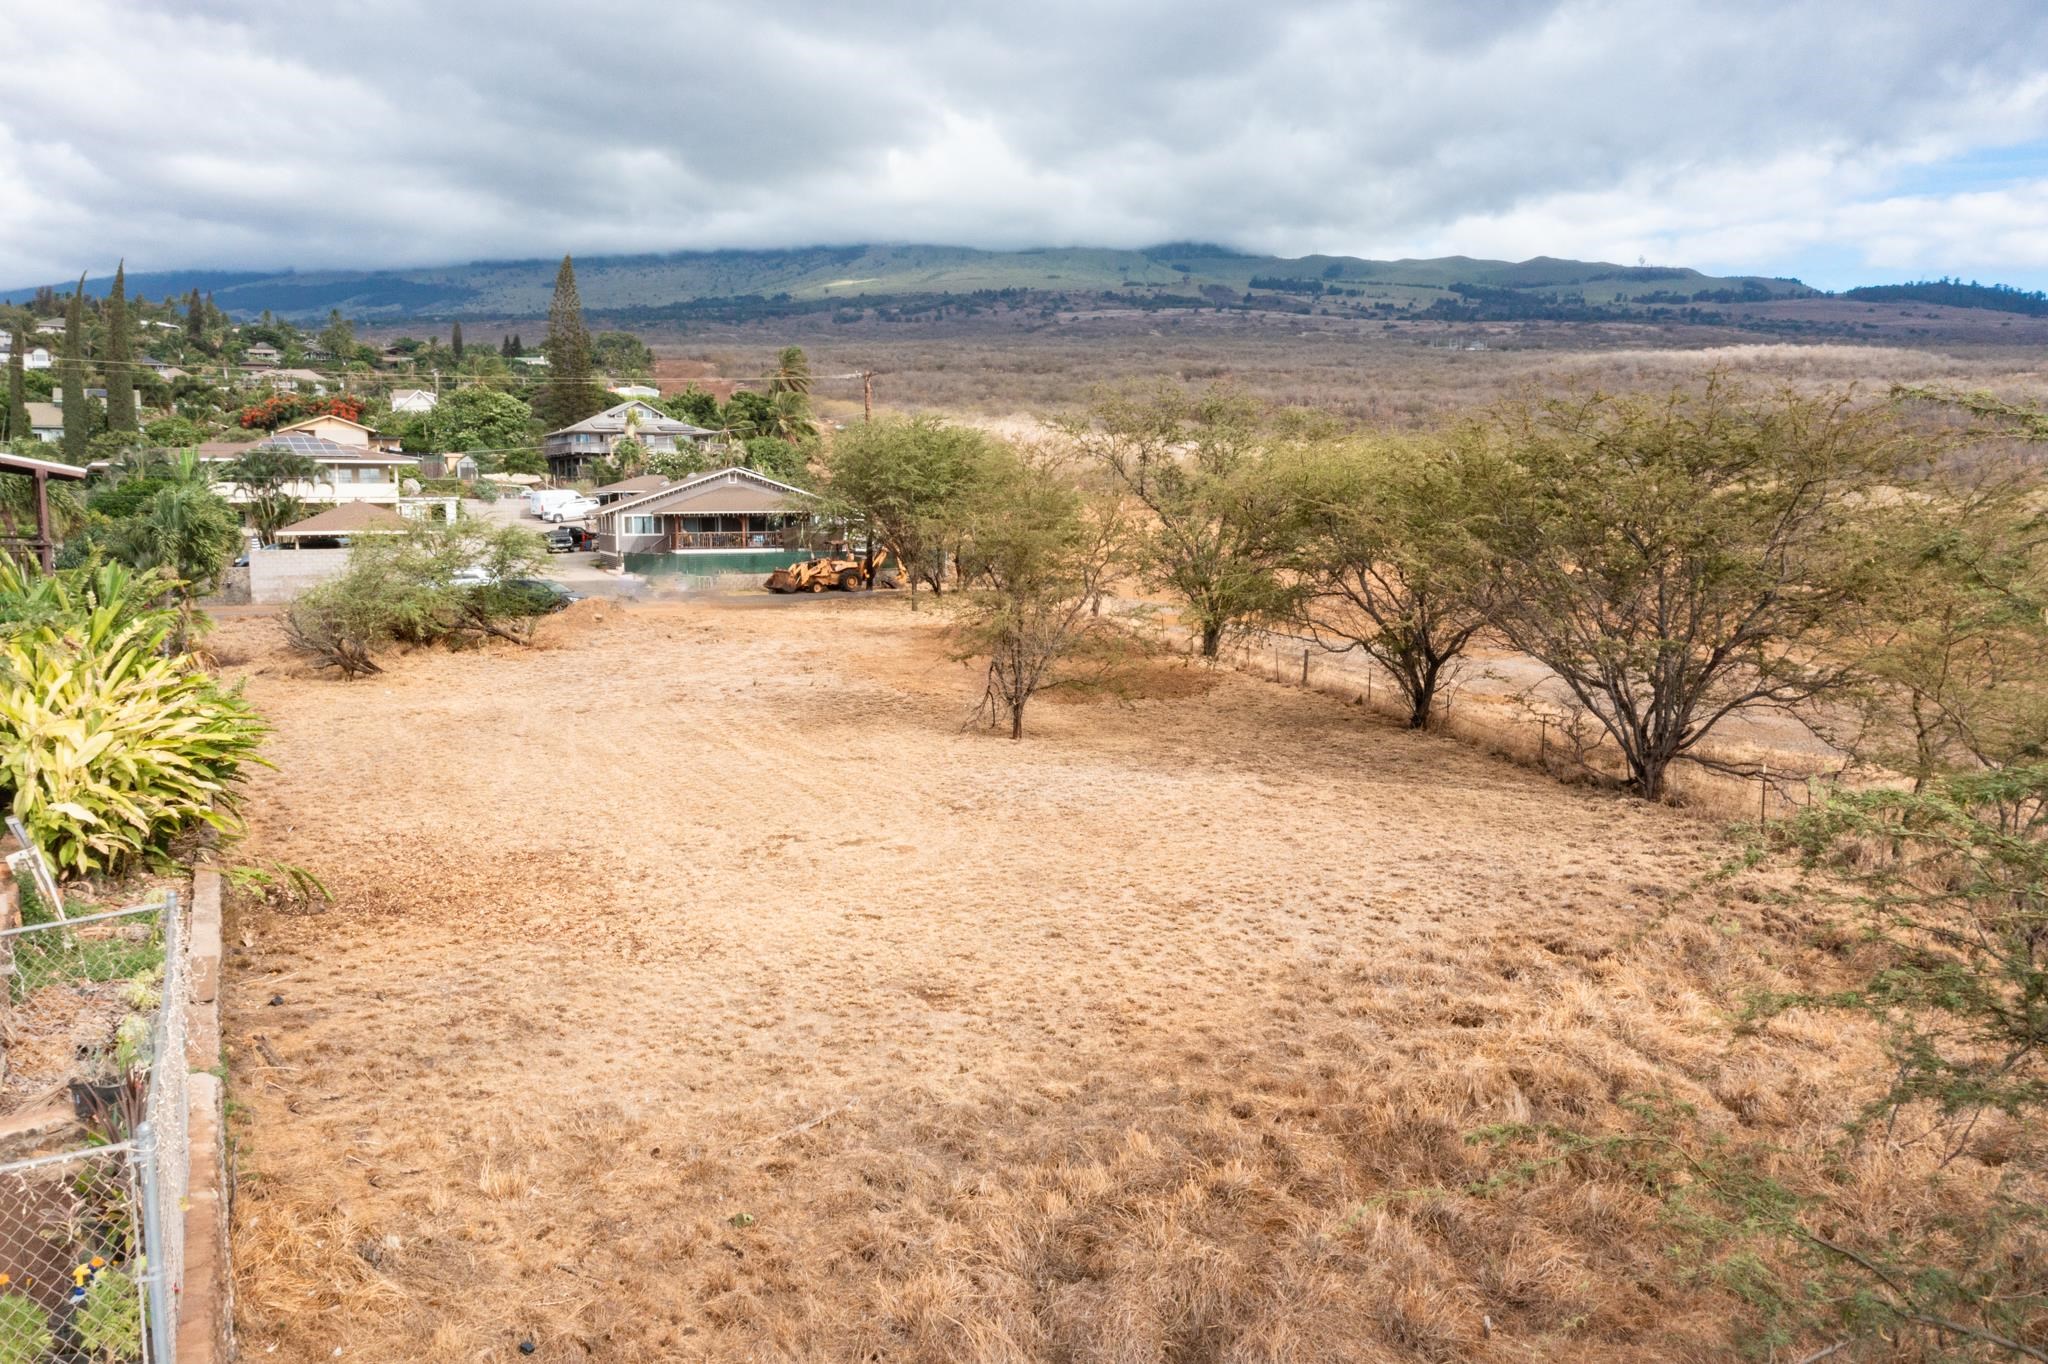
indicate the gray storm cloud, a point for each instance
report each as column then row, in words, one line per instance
column 367, row 134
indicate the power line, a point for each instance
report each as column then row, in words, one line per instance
column 209, row 369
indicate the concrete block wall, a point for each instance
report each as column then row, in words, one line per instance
column 278, row 575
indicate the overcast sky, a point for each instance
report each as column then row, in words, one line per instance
column 1843, row 141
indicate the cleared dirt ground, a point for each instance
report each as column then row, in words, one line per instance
column 697, row 989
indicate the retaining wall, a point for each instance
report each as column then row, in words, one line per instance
column 206, row 1306
column 278, row 575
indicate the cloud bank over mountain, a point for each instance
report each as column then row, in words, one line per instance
column 1841, row 141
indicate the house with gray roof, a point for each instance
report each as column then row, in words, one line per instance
column 571, row 450
column 725, row 521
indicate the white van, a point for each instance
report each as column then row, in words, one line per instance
column 541, row 501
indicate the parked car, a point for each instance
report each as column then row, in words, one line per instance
column 539, row 595
column 568, row 539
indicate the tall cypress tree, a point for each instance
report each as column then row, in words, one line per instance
column 455, row 341
column 77, row 416
column 568, row 394
column 119, row 362
column 195, row 318
column 17, row 386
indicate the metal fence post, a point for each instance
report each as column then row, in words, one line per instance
column 156, row 1288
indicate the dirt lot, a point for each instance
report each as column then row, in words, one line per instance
column 698, row 989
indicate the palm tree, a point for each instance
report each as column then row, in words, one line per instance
column 267, row 475
column 791, row 419
column 792, row 373
column 188, row 533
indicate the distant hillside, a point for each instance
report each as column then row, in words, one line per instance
column 1954, row 293
column 688, row 283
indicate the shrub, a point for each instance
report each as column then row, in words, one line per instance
column 25, row 1335
column 109, row 1322
column 108, row 747
column 407, row 589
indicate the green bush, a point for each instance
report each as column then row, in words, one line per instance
column 110, row 746
column 109, row 1322
column 25, row 1335
column 415, row 589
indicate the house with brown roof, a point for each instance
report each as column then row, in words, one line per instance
column 341, row 521
column 725, row 521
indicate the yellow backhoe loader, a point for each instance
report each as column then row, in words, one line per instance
column 837, row 570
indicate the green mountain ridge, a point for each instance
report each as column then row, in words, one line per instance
column 821, row 275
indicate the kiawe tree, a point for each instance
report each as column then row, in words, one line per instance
column 568, row 393
column 1380, row 555
column 119, row 362
column 1676, row 560
column 1036, row 555
column 909, row 481
column 1215, row 533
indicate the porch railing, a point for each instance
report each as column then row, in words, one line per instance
column 731, row 539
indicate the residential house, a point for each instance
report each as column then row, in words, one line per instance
column 36, row 359
column 288, row 381
column 262, row 355
column 630, row 487
column 45, row 421
column 348, row 473
column 49, row 326
column 99, row 395
column 161, row 369
column 726, row 521
column 572, row 449
column 414, row 400
column 636, row 390
column 342, row 431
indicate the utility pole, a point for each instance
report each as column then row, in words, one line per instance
column 867, row 395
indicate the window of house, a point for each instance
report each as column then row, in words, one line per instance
column 637, row 525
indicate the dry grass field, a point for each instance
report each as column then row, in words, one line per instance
column 1413, row 375
column 696, row 988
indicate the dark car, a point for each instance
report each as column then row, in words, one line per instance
column 568, row 539
column 537, row 596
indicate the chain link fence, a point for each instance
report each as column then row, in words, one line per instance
column 93, row 1117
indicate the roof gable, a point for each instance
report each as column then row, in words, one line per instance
column 773, row 494
column 646, row 417
column 349, row 518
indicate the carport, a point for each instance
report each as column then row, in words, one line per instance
column 40, row 471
